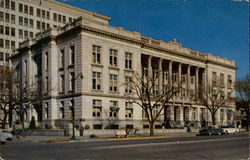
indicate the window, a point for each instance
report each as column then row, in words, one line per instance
column 38, row 24
column 183, row 79
column 128, row 60
column 20, row 8
column 1, row 43
column 214, row 77
column 222, row 79
column 194, row 110
column 113, row 57
column 71, row 81
column 1, row 16
column 43, row 13
column 26, row 9
column 129, row 110
column 31, row 10
column 229, row 81
column 128, row 81
column 43, row 26
column 7, row 17
column 192, row 80
column 1, row 3
column 48, row 25
column 20, row 33
column 26, row 34
column 55, row 17
column 96, row 53
column 70, row 19
column 61, row 109
column 46, row 110
column 62, row 58
column 72, row 55
column 20, row 20
column 97, row 108
column 1, row 29
column 31, row 23
column 7, row 30
column 13, row 45
column 48, row 15
column 7, row 44
column 26, row 22
column 113, row 83
column 13, row 32
column 13, row 19
column 7, row 4
column 7, row 56
column 96, row 80
column 31, row 35
column 38, row 12
column 62, row 88
column 59, row 18
column 13, row 5
column 1, row 54
column 113, row 110
column 64, row 19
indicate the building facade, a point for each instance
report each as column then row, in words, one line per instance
column 22, row 19
column 108, row 57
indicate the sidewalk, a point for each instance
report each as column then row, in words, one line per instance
column 57, row 139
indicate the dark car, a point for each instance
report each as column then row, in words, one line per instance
column 211, row 131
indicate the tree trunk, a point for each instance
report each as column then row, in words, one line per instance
column 10, row 116
column 151, row 126
column 213, row 119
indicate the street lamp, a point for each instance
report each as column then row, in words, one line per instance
column 80, row 75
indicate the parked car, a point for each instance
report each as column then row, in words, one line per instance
column 8, row 136
column 230, row 130
column 211, row 131
column 2, row 138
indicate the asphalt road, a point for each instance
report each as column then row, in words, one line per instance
column 229, row 147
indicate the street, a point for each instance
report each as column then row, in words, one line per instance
column 199, row 147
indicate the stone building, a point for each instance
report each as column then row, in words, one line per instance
column 108, row 57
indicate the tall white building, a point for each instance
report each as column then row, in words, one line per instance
column 22, row 19
column 108, row 57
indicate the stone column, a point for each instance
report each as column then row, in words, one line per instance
column 171, row 112
column 181, row 108
column 29, row 68
column 150, row 72
column 160, row 75
column 179, row 78
column 188, row 80
column 197, row 81
column 170, row 71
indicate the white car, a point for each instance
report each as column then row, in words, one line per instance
column 230, row 130
column 8, row 136
column 2, row 138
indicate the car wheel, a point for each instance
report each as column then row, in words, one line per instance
column 210, row 134
column 219, row 133
column 227, row 133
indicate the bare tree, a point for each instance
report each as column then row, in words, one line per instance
column 212, row 96
column 150, row 96
column 243, row 99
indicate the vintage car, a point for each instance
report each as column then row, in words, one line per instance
column 2, row 138
column 230, row 130
column 211, row 131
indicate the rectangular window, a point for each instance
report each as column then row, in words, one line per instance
column 128, row 113
column 7, row 30
column 20, row 8
column 7, row 4
column 113, row 110
column 13, row 45
column 38, row 24
column 26, row 22
column 71, row 81
column 31, row 35
column 1, row 16
column 1, row 4
column 214, row 78
column 7, row 57
column 72, row 55
column 43, row 13
column 31, row 23
column 26, row 34
column 128, row 60
column 222, row 79
column 38, row 12
column 26, row 9
column 64, row 19
column 96, row 80
column 31, row 10
column 43, row 26
column 70, row 19
column 48, row 15
column 62, row 81
column 97, row 108
column 1, row 53
column 113, row 57
column 13, row 19
column 7, row 44
column 1, row 29
column 55, row 17
column 96, row 53
column 13, row 32
column 20, row 33
column 128, row 82
column 113, row 83
column 13, row 5
column 61, row 109
column 1, row 43
column 48, row 25
column 229, row 81
column 62, row 58
column 20, row 20
column 7, row 17
column 59, row 18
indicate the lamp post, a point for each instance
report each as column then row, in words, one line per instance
column 73, row 104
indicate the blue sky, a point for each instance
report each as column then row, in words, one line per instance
column 219, row 27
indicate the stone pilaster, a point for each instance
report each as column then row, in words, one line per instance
column 160, row 75
column 197, row 81
column 150, row 72
column 188, row 80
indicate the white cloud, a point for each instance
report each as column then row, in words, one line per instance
column 241, row 0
